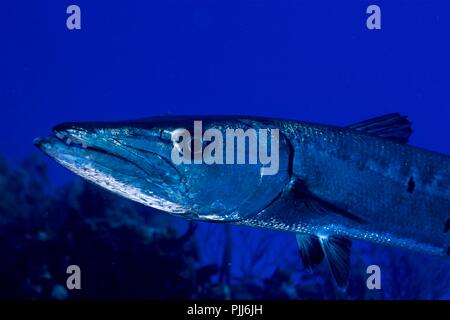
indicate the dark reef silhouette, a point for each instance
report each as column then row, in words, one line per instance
column 126, row 251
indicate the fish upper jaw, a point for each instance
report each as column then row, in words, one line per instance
column 95, row 156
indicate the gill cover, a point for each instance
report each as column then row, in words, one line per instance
column 230, row 192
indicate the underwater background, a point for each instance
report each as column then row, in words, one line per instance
column 307, row 60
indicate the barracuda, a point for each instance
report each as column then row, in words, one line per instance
column 334, row 183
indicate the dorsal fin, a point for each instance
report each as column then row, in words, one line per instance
column 392, row 126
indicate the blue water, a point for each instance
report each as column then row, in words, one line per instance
column 307, row 60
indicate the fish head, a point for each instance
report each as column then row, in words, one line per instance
column 142, row 161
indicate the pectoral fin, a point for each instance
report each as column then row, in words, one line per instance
column 318, row 206
column 336, row 251
column 310, row 250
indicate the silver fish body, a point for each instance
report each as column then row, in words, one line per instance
column 332, row 183
column 396, row 194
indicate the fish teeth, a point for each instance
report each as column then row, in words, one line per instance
column 68, row 140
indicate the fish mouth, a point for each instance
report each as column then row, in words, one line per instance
column 62, row 145
column 74, row 150
column 59, row 146
column 147, row 178
column 59, row 143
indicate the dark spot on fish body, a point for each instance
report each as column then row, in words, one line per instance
column 448, row 251
column 447, row 225
column 411, row 185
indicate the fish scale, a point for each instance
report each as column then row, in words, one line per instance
column 368, row 176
